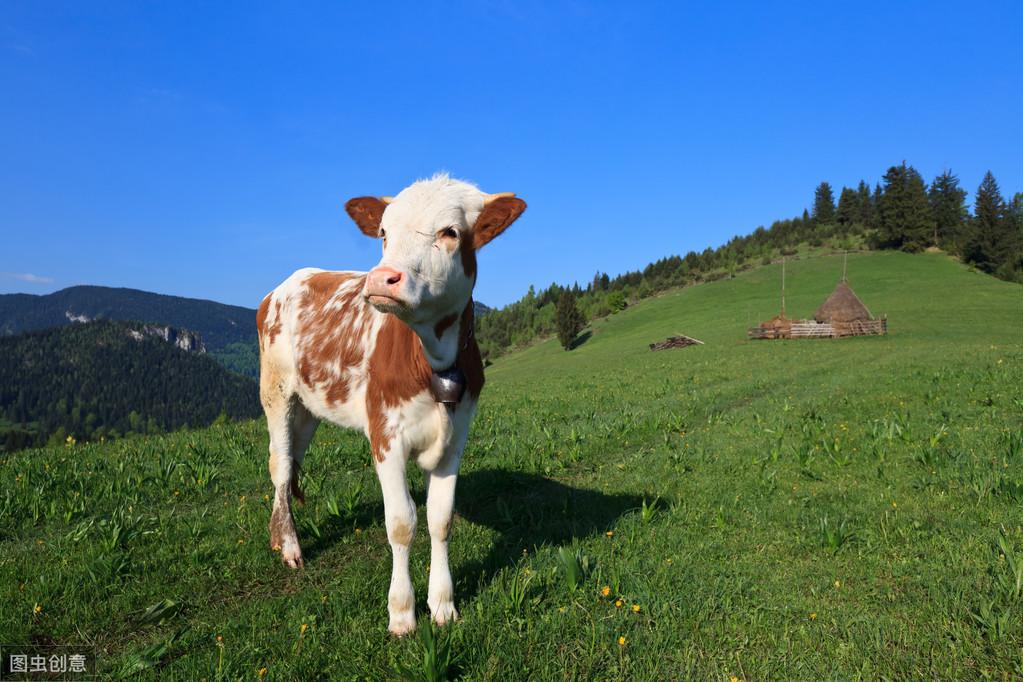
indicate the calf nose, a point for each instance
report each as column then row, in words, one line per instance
column 382, row 279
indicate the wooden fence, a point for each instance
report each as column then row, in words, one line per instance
column 810, row 329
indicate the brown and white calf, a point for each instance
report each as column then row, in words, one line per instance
column 371, row 351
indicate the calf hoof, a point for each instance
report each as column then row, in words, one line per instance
column 291, row 554
column 444, row 613
column 402, row 624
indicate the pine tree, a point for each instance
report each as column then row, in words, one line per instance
column 948, row 207
column 990, row 241
column 904, row 215
column 568, row 319
column 823, row 205
column 848, row 208
column 1016, row 209
column 866, row 205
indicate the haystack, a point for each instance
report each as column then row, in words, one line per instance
column 777, row 322
column 778, row 327
column 842, row 306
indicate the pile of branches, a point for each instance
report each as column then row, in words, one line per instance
column 675, row 342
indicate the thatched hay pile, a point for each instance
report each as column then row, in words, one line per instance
column 842, row 306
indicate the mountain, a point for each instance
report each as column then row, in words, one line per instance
column 480, row 309
column 219, row 324
column 104, row 379
column 228, row 332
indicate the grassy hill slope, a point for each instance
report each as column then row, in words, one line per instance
column 923, row 297
column 771, row 510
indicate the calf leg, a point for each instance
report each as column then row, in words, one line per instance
column 400, row 520
column 440, row 502
column 291, row 430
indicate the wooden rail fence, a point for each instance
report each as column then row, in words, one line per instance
column 809, row 329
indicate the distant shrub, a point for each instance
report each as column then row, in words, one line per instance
column 616, row 301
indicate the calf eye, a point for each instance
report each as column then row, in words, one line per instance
column 449, row 232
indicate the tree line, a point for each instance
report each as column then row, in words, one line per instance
column 900, row 212
column 98, row 381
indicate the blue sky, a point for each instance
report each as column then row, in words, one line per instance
column 206, row 149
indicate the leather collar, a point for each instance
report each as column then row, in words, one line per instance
column 448, row 385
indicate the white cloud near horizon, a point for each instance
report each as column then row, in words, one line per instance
column 29, row 277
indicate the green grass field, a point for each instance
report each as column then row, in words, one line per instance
column 839, row 509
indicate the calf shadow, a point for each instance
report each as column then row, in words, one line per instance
column 526, row 510
column 529, row 511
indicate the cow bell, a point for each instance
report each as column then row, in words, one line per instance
column 448, row 386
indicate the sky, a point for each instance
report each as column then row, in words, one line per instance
column 207, row 149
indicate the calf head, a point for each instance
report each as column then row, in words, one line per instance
column 430, row 231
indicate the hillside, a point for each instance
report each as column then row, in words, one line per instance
column 837, row 509
column 110, row 378
column 927, row 297
column 228, row 331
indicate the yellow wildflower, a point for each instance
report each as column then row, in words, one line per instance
column 621, row 641
column 610, row 533
column 37, row 609
column 619, row 603
column 605, row 590
column 262, row 673
column 813, row 616
column 635, row 608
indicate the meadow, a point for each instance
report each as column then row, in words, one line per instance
column 830, row 509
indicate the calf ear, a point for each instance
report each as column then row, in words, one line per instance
column 499, row 211
column 367, row 212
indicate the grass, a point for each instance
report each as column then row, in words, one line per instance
column 819, row 508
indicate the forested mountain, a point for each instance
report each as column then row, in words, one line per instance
column 219, row 324
column 106, row 379
column 902, row 213
column 228, row 331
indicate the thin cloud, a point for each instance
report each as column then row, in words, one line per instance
column 29, row 277
column 21, row 48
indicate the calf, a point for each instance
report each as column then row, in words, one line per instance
column 390, row 352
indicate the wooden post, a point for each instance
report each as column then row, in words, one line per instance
column 783, row 286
